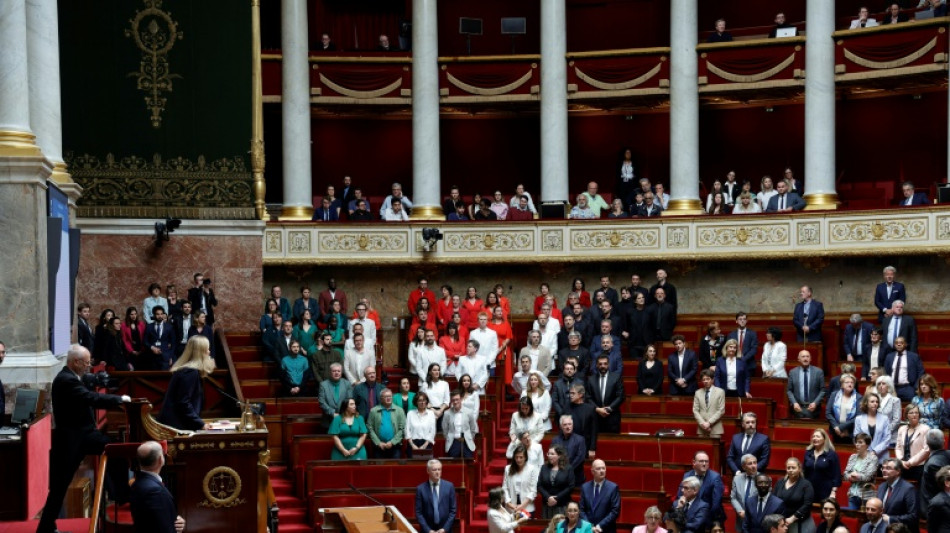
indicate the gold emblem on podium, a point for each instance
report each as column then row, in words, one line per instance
column 222, row 488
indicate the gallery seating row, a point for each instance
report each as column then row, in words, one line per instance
column 402, row 498
column 648, row 449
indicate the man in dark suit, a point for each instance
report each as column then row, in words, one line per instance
column 779, row 24
column 760, row 505
column 76, row 435
column 785, row 201
column 900, row 325
column 367, row 394
column 662, row 282
column 857, row 338
column 938, row 510
column 887, row 292
column 600, row 500
column 83, row 330
column 606, row 391
column 749, row 442
column 898, row 495
column 575, row 445
column 894, row 15
column 182, row 322
column 661, row 317
column 202, row 297
column 435, row 501
column 930, row 484
column 911, row 197
column 160, row 340
column 874, row 511
column 748, row 341
column 694, row 509
column 282, row 303
column 808, row 317
column 326, row 212
column 709, row 491
column 905, row 369
column 153, row 507
column 681, row 369
column 876, row 353
column 806, row 387
column 277, row 341
column 560, row 389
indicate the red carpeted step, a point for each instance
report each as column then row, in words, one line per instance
column 243, row 339
column 255, row 370
column 246, row 354
column 259, row 388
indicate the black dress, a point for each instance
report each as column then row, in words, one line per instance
column 798, row 500
column 560, row 487
column 650, row 378
column 184, row 400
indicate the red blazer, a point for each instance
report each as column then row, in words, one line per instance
column 127, row 335
column 417, row 295
column 325, row 300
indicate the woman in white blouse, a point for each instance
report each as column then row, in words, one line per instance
column 768, row 191
column 774, row 353
column 520, row 483
column 414, row 348
column 438, row 391
column 420, row 428
column 499, row 519
column 474, row 365
column 524, row 420
column 535, row 451
column 470, row 398
column 540, row 398
column 890, row 404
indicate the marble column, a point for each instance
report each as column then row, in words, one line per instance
column 295, row 111
column 24, row 322
column 820, row 169
column 684, row 110
column 426, row 158
column 554, row 177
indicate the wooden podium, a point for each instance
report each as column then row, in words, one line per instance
column 219, row 478
column 376, row 519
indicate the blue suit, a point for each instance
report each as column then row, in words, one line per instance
column 710, row 493
column 882, row 302
column 750, row 346
column 760, row 447
column 329, row 214
column 814, row 320
column 792, row 200
column 688, row 373
column 425, row 507
column 604, row 511
column 165, row 342
column 919, row 198
column 901, row 505
column 300, row 307
column 697, row 516
column 742, row 377
column 915, row 368
column 864, row 332
column 153, row 508
column 753, row 519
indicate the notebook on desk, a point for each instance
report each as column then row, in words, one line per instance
column 8, row 431
column 24, row 410
column 786, row 32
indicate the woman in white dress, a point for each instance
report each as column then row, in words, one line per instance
column 499, row 519
column 474, row 365
column 768, row 191
column 520, row 483
column 420, row 428
column 414, row 348
column 540, row 397
column 535, row 451
column 524, row 420
column 438, row 391
column 890, row 404
column 470, row 399
column 774, row 354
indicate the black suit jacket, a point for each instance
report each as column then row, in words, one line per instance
column 194, row 296
column 613, row 398
column 166, row 343
column 184, row 400
column 73, row 405
column 561, row 487
column 86, row 336
column 901, row 506
column 928, row 486
column 901, row 17
column 661, row 320
column 907, row 329
column 938, row 514
column 865, row 341
column 753, row 520
column 153, row 508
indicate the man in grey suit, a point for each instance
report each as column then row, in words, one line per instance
column 459, row 428
column 806, row 387
column 332, row 393
column 784, row 201
column 900, row 325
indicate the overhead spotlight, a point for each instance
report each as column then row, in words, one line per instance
column 430, row 237
column 162, row 229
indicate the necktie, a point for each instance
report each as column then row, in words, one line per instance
column 741, row 334
column 761, row 506
column 781, row 201
column 897, row 369
column 603, row 387
column 372, row 397
column 745, row 444
column 749, row 481
column 887, row 494
column 161, row 326
column 805, row 384
column 596, row 494
column 707, row 397
column 435, row 502
column 857, row 338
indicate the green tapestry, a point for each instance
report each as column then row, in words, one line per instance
column 157, row 106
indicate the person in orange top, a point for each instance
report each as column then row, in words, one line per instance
column 491, row 302
column 473, row 305
column 502, row 299
column 454, row 346
column 541, row 298
column 506, row 338
column 577, row 286
column 421, row 292
column 443, row 307
column 370, row 314
column 423, row 319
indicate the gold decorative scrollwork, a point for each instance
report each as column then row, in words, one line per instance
column 495, row 241
column 677, row 237
column 299, row 242
column 222, row 488
column 743, row 236
column 552, row 240
column 892, row 230
column 615, row 239
column 362, row 242
column 154, row 33
column 809, row 233
column 273, row 242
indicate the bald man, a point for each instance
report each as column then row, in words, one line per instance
column 153, row 508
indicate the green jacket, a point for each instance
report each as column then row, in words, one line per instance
column 376, row 420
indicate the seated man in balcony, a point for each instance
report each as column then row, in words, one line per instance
column 519, row 192
column 485, row 212
column 784, row 201
column 385, row 45
column 397, row 194
column 720, row 35
column 649, row 208
column 521, row 211
column 780, row 24
column 661, row 196
column 863, row 21
column 939, row 7
column 353, row 204
column 326, row 212
column 894, row 15
column 595, row 201
column 326, row 44
column 460, row 214
column 910, row 196
column 582, row 211
column 395, row 213
column 451, row 204
column 361, row 213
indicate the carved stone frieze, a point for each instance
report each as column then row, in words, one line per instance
column 497, row 241
column 771, row 235
column 876, row 230
column 299, row 242
column 677, row 237
column 607, row 239
column 552, row 240
column 943, row 228
column 809, row 233
column 272, row 242
column 363, row 242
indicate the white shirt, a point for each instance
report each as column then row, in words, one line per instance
column 438, row 393
column 542, row 407
column 426, row 355
column 740, row 209
column 487, row 343
column 369, row 329
column 875, row 356
column 476, row 368
column 420, row 426
column 773, row 358
column 514, row 202
column 900, row 365
column 354, row 363
column 730, row 373
column 549, row 338
column 523, row 484
column 391, row 216
column 348, row 344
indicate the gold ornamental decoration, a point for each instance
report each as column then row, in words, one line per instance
column 154, row 33
column 222, row 488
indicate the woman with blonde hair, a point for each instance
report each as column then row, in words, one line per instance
column 185, row 395
column 911, row 446
column 651, row 521
column 540, row 397
column 890, row 403
column 928, row 400
column 822, row 466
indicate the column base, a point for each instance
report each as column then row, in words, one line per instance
column 821, row 202
column 427, row 212
column 18, row 144
column 684, row 206
column 296, row 212
column 31, row 368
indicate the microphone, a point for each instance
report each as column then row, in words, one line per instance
column 387, row 512
column 255, row 408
